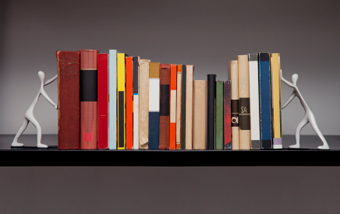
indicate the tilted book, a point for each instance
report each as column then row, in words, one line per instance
column 173, row 99
column 121, row 101
column 154, row 90
column 112, row 99
column 129, row 98
column 227, row 115
column 178, row 106
column 211, row 96
column 219, row 116
column 199, row 129
column 144, row 104
column 276, row 100
column 103, row 102
column 135, row 103
column 188, row 106
column 164, row 106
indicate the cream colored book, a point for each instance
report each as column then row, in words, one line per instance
column 276, row 100
column 200, row 115
column 188, row 106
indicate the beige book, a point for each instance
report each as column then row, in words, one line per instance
column 188, row 107
column 144, row 104
column 200, row 115
column 178, row 107
column 233, row 76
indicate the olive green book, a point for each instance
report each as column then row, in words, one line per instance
column 219, row 116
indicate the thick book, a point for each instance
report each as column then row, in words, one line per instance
column 244, row 106
column 121, row 144
column 254, row 101
column 173, row 99
column 68, row 99
column 183, row 106
column 88, row 99
column 265, row 101
column 227, row 115
column 188, row 106
column 164, row 106
column 112, row 99
column 103, row 102
column 276, row 100
column 154, row 91
column 129, row 98
column 199, row 129
column 219, row 116
column 235, row 132
column 178, row 106
column 211, row 96
column 144, row 104
column 135, row 103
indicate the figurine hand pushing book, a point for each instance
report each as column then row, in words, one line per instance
column 29, row 116
column 309, row 116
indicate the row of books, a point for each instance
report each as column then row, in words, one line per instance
column 115, row 101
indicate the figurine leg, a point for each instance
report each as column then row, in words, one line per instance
column 39, row 133
column 23, row 127
column 318, row 132
column 297, row 133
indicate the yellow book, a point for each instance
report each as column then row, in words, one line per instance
column 276, row 100
column 121, row 100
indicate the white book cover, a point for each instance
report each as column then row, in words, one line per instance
column 112, row 98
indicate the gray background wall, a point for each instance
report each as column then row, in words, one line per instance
column 205, row 33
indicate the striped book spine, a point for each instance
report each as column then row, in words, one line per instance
column 227, row 115
column 121, row 100
column 173, row 86
column 276, row 100
column 265, row 101
column 219, row 116
column 135, row 103
column 211, row 93
column 188, row 106
column 254, row 101
column 88, row 99
column 183, row 105
column 112, row 99
column 235, row 132
column 154, row 92
column 129, row 97
column 144, row 65
column 178, row 106
column 103, row 104
column 164, row 111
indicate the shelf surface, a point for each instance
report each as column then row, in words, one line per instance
column 177, row 158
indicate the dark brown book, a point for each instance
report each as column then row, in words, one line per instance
column 164, row 108
column 68, row 99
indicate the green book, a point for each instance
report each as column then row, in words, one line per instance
column 219, row 116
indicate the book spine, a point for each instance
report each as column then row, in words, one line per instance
column 164, row 111
column 244, row 106
column 88, row 99
column 254, row 101
column 227, row 115
column 265, row 101
column 154, row 91
column 103, row 104
column 129, row 97
column 135, row 103
column 183, row 106
column 179, row 107
column 219, row 116
column 68, row 99
column 173, row 82
column 188, row 106
column 276, row 100
column 211, row 111
column 200, row 115
column 112, row 99
column 235, row 132
column 121, row 101
column 144, row 65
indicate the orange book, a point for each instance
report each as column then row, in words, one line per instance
column 173, row 82
column 129, row 103
column 178, row 106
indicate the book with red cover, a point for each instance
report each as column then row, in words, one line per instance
column 68, row 99
column 103, row 102
column 173, row 87
column 227, row 115
column 129, row 102
column 164, row 111
column 88, row 99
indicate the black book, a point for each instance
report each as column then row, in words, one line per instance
column 211, row 111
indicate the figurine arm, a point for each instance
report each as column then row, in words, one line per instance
column 291, row 97
column 286, row 81
column 51, row 80
column 48, row 98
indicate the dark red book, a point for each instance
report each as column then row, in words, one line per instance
column 68, row 99
column 103, row 102
column 164, row 107
column 227, row 115
column 129, row 102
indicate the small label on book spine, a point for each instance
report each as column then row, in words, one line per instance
column 234, row 113
column 244, row 115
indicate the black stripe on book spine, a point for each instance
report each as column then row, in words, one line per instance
column 121, row 119
column 264, row 57
column 183, row 106
column 211, row 111
column 234, row 113
column 164, row 108
column 244, row 114
column 88, row 85
column 135, row 75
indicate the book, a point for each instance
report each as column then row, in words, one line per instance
column 135, row 103
column 144, row 104
column 178, row 106
column 244, row 106
column 173, row 99
column 154, row 90
column 121, row 144
column 233, row 77
column 129, row 104
column 112, row 99
column 265, row 101
column 199, row 128
column 188, row 106
column 88, row 99
column 219, row 116
column 183, row 106
column 254, row 101
column 68, row 99
column 164, row 106
column 211, row 96
column 103, row 102
column 227, row 115
column 276, row 100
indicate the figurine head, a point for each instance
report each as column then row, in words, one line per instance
column 41, row 75
column 295, row 77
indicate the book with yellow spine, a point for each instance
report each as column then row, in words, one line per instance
column 121, row 100
column 276, row 100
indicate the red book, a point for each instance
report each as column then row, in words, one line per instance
column 129, row 102
column 164, row 107
column 103, row 102
column 227, row 114
column 173, row 87
column 68, row 99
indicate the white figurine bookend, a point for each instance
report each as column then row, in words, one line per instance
column 308, row 117
column 29, row 116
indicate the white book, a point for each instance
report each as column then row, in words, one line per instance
column 189, row 106
column 112, row 98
